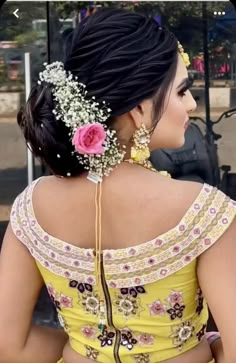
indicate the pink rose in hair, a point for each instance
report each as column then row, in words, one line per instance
column 89, row 139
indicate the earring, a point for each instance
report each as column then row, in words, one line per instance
column 140, row 150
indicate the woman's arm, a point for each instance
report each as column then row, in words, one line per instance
column 217, row 351
column 43, row 344
column 217, row 278
column 20, row 285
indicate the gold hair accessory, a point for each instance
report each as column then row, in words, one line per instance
column 184, row 55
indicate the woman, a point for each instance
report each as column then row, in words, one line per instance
column 130, row 271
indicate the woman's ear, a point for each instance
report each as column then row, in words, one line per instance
column 141, row 113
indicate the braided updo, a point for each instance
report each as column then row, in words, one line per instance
column 123, row 58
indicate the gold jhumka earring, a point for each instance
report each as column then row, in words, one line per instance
column 184, row 55
column 140, row 151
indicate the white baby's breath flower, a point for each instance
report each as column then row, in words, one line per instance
column 75, row 109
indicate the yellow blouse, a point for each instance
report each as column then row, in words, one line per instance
column 154, row 305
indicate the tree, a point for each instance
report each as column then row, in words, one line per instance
column 10, row 26
column 26, row 38
column 185, row 20
column 171, row 12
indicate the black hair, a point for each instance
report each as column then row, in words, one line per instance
column 123, row 58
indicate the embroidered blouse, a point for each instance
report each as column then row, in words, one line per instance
column 154, row 305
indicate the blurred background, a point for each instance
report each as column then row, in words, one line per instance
column 205, row 29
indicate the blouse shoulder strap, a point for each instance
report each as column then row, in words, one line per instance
column 214, row 216
column 20, row 216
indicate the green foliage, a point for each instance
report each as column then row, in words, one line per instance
column 26, row 38
column 183, row 18
column 173, row 12
column 66, row 9
column 10, row 26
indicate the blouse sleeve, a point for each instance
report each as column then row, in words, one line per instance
column 214, row 217
column 19, row 218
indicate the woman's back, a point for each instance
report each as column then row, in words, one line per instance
column 137, row 206
column 153, row 299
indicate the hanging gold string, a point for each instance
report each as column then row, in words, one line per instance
column 98, row 261
column 98, row 232
column 100, row 227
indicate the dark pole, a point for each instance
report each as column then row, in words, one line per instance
column 206, row 66
column 2, row 2
column 43, row 168
column 48, row 31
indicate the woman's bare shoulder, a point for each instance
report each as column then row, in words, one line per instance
column 50, row 186
column 143, row 186
column 176, row 195
column 184, row 191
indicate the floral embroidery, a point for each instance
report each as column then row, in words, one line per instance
column 106, row 337
column 142, row 358
column 51, row 290
column 127, row 339
column 88, row 298
column 201, row 332
column 63, row 323
column 91, row 303
column 65, row 301
column 181, row 334
column 176, row 311
column 61, row 320
column 127, row 305
column 52, row 293
column 91, row 352
column 145, row 339
column 89, row 332
column 175, row 300
column 157, row 308
column 175, row 297
column 200, row 301
column 59, row 300
column 127, row 302
column 133, row 291
column 57, row 304
column 81, row 287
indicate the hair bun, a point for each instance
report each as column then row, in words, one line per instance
column 47, row 137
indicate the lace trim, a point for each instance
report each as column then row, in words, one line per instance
column 205, row 221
